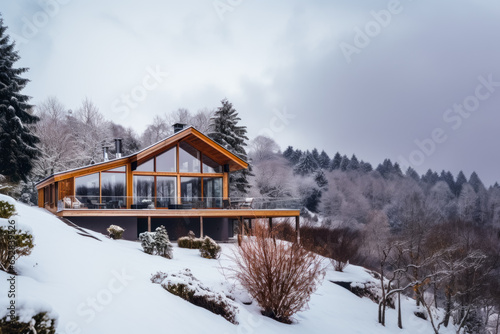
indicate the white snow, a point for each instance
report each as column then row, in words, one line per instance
column 104, row 287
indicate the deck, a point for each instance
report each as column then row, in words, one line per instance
column 190, row 213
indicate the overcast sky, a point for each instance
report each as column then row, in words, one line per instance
column 414, row 81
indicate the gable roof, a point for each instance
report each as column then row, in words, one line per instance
column 190, row 135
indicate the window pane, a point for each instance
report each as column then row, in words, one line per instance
column 191, row 190
column 147, row 166
column 113, row 190
column 210, row 166
column 167, row 161
column 189, row 158
column 166, row 191
column 144, row 190
column 117, row 169
column 87, row 188
column 212, row 192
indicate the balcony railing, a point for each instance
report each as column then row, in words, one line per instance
column 120, row 203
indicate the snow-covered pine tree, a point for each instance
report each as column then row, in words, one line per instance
column 461, row 180
column 307, row 165
column 224, row 129
column 336, row 161
column 17, row 141
column 353, row 163
column 162, row 243
column 324, row 160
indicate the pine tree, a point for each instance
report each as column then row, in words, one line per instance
column 336, row 161
column 353, row 163
column 162, row 243
column 324, row 160
column 476, row 182
column 365, row 167
column 320, row 179
column 411, row 173
column 344, row 163
column 17, row 141
column 224, row 129
column 307, row 165
column 461, row 180
column 449, row 179
column 288, row 153
column 315, row 154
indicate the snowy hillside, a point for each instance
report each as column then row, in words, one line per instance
column 103, row 286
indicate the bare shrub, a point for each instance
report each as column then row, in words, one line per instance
column 280, row 276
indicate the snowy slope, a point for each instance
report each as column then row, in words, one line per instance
column 104, row 287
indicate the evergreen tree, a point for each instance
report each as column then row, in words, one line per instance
column 17, row 141
column 365, row 167
column 315, row 154
column 296, row 156
column 344, row 163
column 289, row 153
column 461, row 180
column 320, row 179
column 224, row 129
column 411, row 173
column 449, row 179
column 353, row 163
column 324, row 160
column 476, row 182
column 307, row 165
column 335, row 163
column 430, row 177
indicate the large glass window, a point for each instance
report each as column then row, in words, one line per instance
column 113, row 189
column 189, row 158
column 191, row 190
column 210, row 166
column 212, row 192
column 166, row 191
column 87, row 189
column 144, row 191
column 148, row 166
column 167, row 161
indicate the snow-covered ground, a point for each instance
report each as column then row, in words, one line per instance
column 104, row 287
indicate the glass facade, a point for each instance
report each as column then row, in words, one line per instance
column 189, row 158
column 212, row 192
column 113, row 189
column 87, row 189
column 148, row 166
column 144, row 191
column 210, row 166
column 191, row 190
column 166, row 191
column 167, row 161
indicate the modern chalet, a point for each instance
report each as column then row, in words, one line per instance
column 181, row 182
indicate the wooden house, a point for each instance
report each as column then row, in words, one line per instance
column 181, row 182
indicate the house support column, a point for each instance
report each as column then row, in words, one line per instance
column 270, row 224
column 201, row 227
column 297, row 229
column 149, row 223
column 250, row 227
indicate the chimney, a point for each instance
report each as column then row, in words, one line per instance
column 105, row 152
column 118, row 147
column 178, row 127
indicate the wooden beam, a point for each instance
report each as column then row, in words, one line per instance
column 129, row 185
column 188, row 213
column 149, row 223
column 201, row 226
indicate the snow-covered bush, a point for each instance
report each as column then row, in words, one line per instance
column 279, row 275
column 41, row 323
column 209, row 249
column 115, row 232
column 14, row 243
column 162, row 243
column 7, row 210
column 190, row 241
column 157, row 242
column 186, row 286
column 147, row 242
